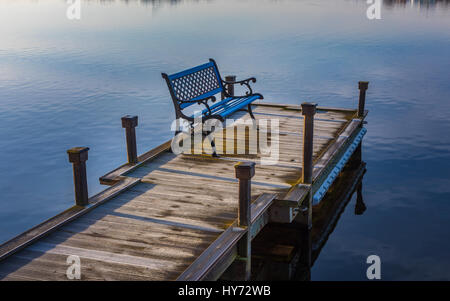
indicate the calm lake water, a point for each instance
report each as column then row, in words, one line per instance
column 67, row 83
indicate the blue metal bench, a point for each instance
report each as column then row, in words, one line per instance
column 199, row 85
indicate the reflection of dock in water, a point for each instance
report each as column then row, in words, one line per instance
column 326, row 214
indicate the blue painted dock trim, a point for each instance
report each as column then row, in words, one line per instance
column 320, row 193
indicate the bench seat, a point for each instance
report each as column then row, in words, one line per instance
column 228, row 106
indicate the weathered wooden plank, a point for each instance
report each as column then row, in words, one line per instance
column 290, row 112
column 218, row 167
column 114, row 176
column 160, row 252
column 209, row 185
column 134, row 220
column 41, row 230
column 194, row 197
column 286, row 124
column 287, row 144
column 147, row 233
column 105, row 256
column 12, row 277
column 165, row 202
column 35, row 271
column 211, row 216
column 285, row 107
column 191, row 221
column 33, row 265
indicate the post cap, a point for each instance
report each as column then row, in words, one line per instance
column 78, row 154
column 245, row 170
column 309, row 108
column 363, row 85
column 230, row 78
column 129, row 121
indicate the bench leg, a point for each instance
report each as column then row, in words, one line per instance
column 178, row 126
column 210, row 131
column 213, row 144
column 177, row 130
column 250, row 112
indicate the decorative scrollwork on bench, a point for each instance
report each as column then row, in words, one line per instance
column 243, row 82
column 203, row 101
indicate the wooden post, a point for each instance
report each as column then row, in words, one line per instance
column 129, row 123
column 361, row 104
column 308, row 110
column 244, row 172
column 305, row 218
column 362, row 97
column 78, row 157
column 230, row 88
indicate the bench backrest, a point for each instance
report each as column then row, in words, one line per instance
column 194, row 83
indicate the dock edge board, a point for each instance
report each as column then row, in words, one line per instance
column 332, row 175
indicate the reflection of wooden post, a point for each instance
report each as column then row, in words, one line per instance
column 356, row 159
column 78, row 157
column 362, row 97
column 360, row 207
column 129, row 123
column 244, row 172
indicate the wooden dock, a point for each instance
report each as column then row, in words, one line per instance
column 175, row 217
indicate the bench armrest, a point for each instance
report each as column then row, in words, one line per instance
column 203, row 101
column 245, row 82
